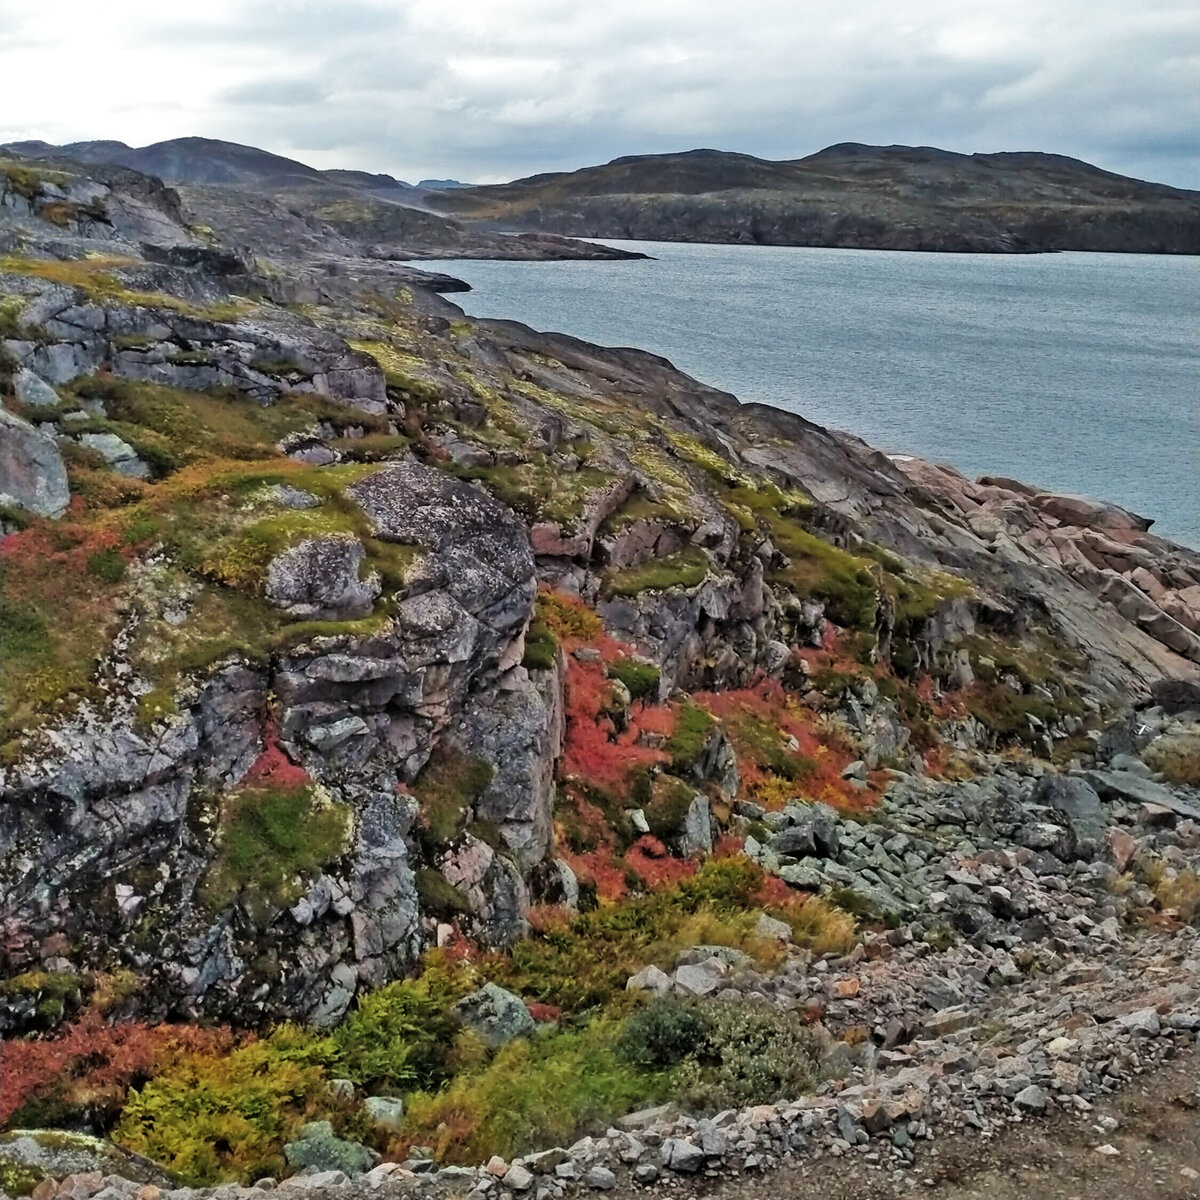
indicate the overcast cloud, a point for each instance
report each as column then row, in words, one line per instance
column 492, row 89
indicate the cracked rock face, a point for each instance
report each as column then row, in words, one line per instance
column 32, row 474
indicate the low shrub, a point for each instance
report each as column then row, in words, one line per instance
column 750, row 1054
column 532, row 1094
column 662, row 1034
column 212, row 1118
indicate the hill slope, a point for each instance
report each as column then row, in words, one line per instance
column 278, row 206
column 876, row 197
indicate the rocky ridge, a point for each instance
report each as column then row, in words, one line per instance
column 436, row 590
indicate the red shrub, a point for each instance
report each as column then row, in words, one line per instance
column 87, row 1069
column 273, row 768
column 649, row 859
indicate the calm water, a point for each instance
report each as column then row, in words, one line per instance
column 1075, row 372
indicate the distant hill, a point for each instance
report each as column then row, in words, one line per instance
column 441, row 185
column 877, row 197
column 192, row 160
column 364, row 179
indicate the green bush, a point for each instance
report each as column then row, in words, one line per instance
column 532, row 1094
column 662, row 1034
column 208, row 1119
column 397, row 1036
column 751, row 1054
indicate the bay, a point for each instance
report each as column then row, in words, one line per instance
column 1074, row 372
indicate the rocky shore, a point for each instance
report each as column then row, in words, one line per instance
column 395, row 706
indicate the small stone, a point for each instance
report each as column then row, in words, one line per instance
column 699, row 979
column 680, row 1155
column 649, row 979
column 1108, row 1151
column 845, row 989
column 386, row 1111
column 1143, row 1023
column 1031, row 1099
column 770, row 929
column 600, row 1179
column 645, row 1173
column 518, row 1178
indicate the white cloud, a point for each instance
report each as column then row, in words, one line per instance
column 489, row 89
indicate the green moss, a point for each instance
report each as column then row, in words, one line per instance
column 822, row 571
column 155, row 705
column 94, row 277
column 693, row 729
column 438, row 896
column 270, row 842
column 539, row 490
column 639, row 507
column 541, row 647
column 19, row 1179
column 280, row 368
column 641, row 678
column 687, row 569
column 447, row 787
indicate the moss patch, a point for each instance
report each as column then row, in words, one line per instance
column 270, row 843
column 687, row 569
column 447, row 787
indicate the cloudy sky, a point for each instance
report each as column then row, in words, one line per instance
column 492, row 89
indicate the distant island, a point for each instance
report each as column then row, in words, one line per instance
column 867, row 197
column 851, row 195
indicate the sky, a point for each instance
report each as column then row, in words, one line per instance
column 488, row 90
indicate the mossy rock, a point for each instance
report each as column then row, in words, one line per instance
column 27, row 1156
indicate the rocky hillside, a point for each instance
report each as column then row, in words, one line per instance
column 276, row 206
column 393, row 704
column 867, row 197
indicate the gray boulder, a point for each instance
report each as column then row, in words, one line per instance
column 319, row 579
column 31, row 388
column 32, row 474
column 812, row 831
column 317, row 1148
column 1079, row 804
column 386, row 1111
column 495, row 1014
column 697, row 827
column 30, row 1155
column 119, row 454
